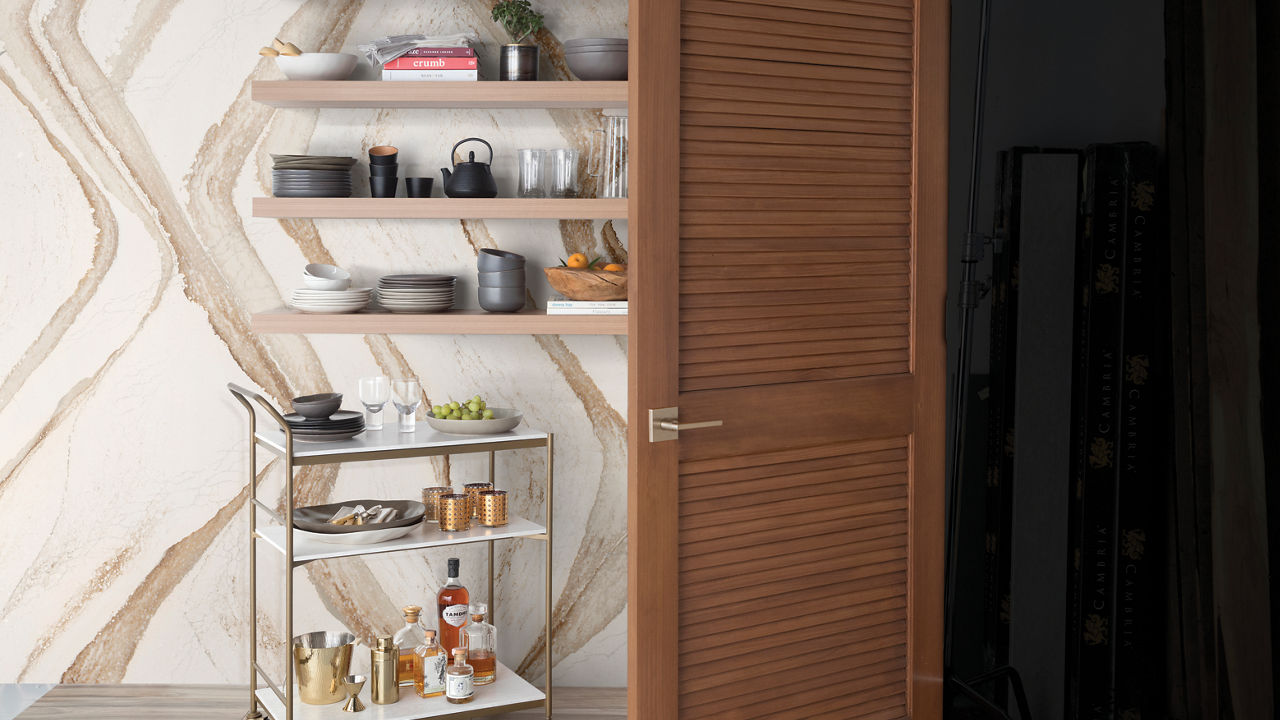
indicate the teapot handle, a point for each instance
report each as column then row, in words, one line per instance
column 452, row 153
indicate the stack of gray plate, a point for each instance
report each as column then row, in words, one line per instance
column 311, row 176
column 416, row 293
column 341, row 425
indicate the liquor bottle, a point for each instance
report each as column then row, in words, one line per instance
column 429, row 665
column 408, row 639
column 452, row 602
column 460, row 684
column 482, row 646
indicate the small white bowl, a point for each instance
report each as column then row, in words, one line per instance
column 326, row 272
column 317, row 66
column 316, row 283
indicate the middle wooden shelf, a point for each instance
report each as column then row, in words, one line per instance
column 442, row 208
column 452, row 322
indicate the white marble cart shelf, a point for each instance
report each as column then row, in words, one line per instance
column 389, row 442
column 426, row 535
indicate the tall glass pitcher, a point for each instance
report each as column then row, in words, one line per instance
column 609, row 156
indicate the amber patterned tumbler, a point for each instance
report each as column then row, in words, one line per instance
column 455, row 513
column 473, row 495
column 431, row 498
column 493, row 508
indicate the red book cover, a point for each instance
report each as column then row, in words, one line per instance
column 440, row 52
column 431, row 63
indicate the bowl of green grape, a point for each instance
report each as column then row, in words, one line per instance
column 472, row 417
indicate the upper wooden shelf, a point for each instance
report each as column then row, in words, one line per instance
column 478, row 94
column 441, row 208
column 453, row 322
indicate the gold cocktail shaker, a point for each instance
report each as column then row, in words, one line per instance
column 385, row 680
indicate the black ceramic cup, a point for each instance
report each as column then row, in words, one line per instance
column 384, row 170
column 418, row 187
column 383, row 155
column 382, row 187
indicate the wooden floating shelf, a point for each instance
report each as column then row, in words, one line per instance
column 479, row 94
column 454, row 322
column 440, row 208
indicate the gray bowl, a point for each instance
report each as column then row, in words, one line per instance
column 598, row 64
column 594, row 41
column 320, row 405
column 501, row 299
column 491, row 260
column 594, row 48
column 503, row 278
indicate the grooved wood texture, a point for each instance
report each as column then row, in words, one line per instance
column 809, row 521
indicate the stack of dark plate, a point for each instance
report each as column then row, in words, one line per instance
column 416, row 293
column 311, row 176
column 342, row 425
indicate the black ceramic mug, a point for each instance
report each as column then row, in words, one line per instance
column 383, row 155
column 382, row 187
column 384, row 170
column 418, row 187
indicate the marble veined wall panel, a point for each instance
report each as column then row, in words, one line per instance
column 129, row 267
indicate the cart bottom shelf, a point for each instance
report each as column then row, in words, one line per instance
column 508, row 693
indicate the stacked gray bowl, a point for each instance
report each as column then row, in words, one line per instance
column 597, row 58
column 500, row 286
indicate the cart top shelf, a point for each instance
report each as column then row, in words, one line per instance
column 389, row 443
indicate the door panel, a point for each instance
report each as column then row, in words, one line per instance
column 800, row 281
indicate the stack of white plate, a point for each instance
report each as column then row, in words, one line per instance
column 331, row 301
column 416, row 293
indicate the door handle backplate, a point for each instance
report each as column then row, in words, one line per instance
column 664, row 424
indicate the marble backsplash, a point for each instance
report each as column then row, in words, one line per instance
column 131, row 265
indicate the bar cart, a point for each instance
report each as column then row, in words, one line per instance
column 510, row 692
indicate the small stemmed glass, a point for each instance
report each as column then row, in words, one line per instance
column 407, row 396
column 374, row 393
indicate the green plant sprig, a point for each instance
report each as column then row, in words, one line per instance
column 518, row 19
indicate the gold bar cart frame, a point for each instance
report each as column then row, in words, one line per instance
column 244, row 396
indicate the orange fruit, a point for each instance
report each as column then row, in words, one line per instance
column 614, row 267
column 577, row 260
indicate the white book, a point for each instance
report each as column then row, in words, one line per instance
column 586, row 311
column 434, row 75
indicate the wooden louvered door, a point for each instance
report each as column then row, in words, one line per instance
column 788, row 278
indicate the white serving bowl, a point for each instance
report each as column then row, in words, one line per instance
column 327, row 272
column 317, row 66
column 317, row 283
column 504, row 419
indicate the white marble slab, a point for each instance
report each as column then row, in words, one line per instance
column 426, row 535
column 507, row 691
column 16, row 697
column 390, row 438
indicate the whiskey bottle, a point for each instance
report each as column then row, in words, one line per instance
column 452, row 602
column 460, row 684
column 407, row 639
column 429, row 666
column 482, row 646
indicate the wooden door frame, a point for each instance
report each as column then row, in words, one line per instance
column 653, row 338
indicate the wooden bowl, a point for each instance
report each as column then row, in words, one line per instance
column 583, row 284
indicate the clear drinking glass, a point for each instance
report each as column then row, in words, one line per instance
column 532, row 173
column 375, row 391
column 609, row 156
column 563, row 173
column 407, row 396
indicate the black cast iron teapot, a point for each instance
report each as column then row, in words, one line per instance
column 470, row 179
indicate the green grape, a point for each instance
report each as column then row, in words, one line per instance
column 474, row 406
column 436, row 410
column 476, row 398
column 454, row 405
column 455, row 415
column 483, row 405
column 488, row 414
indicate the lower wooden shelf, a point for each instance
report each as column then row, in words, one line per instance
column 509, row 692
column 453, row 322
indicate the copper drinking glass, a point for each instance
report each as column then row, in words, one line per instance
column 473, row 495
column 493, row 508
column 431, row 498
column 455, row 513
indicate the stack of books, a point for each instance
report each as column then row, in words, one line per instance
column 435, row 64
column 561, row 306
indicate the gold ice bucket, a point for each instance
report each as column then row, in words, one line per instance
column 320, row 661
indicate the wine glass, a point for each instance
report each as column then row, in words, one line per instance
column 374, row 393
column 407, row 395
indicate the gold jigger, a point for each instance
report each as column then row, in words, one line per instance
column 353, row 683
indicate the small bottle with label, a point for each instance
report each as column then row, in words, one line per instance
column 482, row 645
column 407, row 639
column 429, row 666
column 460, row 685
column 452, row 603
